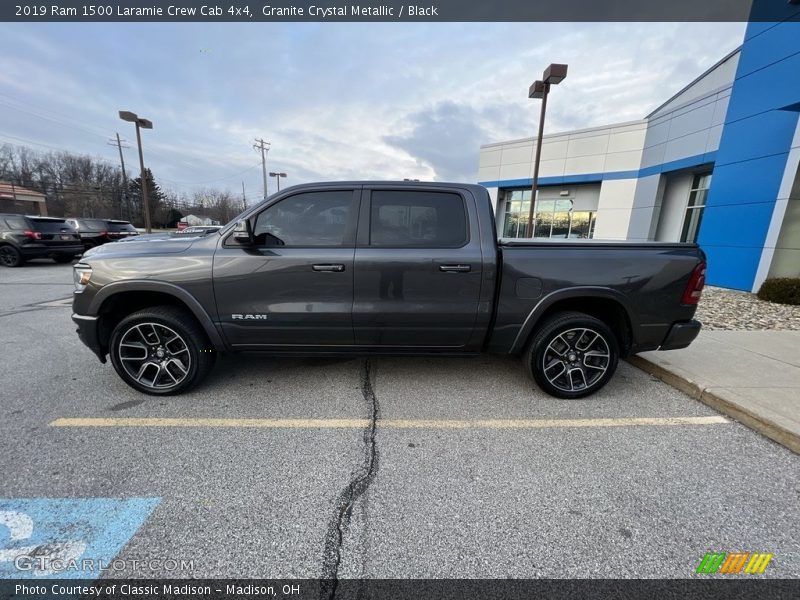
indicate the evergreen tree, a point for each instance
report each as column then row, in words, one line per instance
column 155, row 196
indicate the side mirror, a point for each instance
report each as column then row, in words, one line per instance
column 243, row 232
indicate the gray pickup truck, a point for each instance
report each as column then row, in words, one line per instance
column 382, row 268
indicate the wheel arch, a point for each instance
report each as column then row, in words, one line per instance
column 604, row 304
column 115, row 301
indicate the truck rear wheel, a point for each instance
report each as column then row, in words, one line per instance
column 572, row 355
column 161, row 350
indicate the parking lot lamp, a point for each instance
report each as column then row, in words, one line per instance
column 126, row 115
column 277, row 177
column 554, row 74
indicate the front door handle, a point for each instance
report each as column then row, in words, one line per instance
column 329, row 268
column 455, row 268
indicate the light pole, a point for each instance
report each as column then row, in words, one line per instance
column 126, row 115
column 277, row 177
column 554, row 74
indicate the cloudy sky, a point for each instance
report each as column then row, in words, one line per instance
column 337, row 101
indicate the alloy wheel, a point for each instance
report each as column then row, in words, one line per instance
column 154, row 355
column 576, row 359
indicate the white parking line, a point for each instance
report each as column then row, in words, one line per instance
column 384, row 423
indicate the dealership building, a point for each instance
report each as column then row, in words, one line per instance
column 717, row 164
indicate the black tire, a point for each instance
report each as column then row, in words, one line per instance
column 62, row 260
column 10, row 256
column 171, row 366
column 566, row 355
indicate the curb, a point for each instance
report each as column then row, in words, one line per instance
column 753, row 420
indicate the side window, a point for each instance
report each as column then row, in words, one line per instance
column 306, row 219
column 16, row 223
column 417, row 219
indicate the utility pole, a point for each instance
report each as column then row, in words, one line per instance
column 244, row 198
column 119, row 146
column 264, row 148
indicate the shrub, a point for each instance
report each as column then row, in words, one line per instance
column 783, row 290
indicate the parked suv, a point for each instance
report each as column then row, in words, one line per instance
column 25, row 237
column 95, row 232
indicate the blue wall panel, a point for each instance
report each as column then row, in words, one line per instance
column 731, row 266
column 756, row 180
column 752, row 154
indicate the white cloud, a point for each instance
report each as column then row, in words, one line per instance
column 337, row 101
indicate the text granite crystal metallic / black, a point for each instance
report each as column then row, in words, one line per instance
column 371, row 268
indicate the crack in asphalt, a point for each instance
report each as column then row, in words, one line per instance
column 359, row 482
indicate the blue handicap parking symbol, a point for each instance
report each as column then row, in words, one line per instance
column 59, row 537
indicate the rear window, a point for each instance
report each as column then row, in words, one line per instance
column 119, row 226
column 92, row 224
column 418, row 219
column 16, row 223
column 51, row 225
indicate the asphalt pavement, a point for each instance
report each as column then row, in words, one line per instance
column 392, row 467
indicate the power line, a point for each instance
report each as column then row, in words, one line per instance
column 63, row 119
column 210, row 180
column 73, row 152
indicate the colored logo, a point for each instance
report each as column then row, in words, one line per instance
column 740, row 562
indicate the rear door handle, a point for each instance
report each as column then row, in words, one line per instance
column 329, row 268
column 455, row 268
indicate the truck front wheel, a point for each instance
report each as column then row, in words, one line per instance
column 572, row 355
column 161, row 350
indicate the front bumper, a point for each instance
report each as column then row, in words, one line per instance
column 88, row 334
column 680, row 335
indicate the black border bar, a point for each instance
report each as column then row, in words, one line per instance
column 394, row 10
column 701, row 587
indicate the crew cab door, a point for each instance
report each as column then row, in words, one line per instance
column 418, row 268
column 294, row 287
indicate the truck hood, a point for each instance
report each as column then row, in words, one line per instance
column 156, row 245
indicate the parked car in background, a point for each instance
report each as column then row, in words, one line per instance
column 95, row 232
column 120, row 230
column 25, row 237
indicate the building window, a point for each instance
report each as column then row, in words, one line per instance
column 552, row 218
column 695, row 207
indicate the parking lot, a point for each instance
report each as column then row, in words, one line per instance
column 392, row 467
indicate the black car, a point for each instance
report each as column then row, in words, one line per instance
column 25, row 237
column 95, row 232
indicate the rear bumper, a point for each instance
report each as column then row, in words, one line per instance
column 680, row 335
column 88, row 334
column 41, row 251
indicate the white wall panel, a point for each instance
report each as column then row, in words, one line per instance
column 586, row 146
column 623, row 161
column 489, row 158
column 625, row 141
column 689, row 145
column 517, row 154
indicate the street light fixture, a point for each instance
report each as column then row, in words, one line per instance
column 131, row 117
column 277, row 178
column 553, row 75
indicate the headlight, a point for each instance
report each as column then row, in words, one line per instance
column 81, row 274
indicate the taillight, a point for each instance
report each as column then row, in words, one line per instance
column 104, row 233
column 34, row 235
column 694, row 289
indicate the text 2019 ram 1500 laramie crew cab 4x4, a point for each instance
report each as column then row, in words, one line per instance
column 374, row 268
